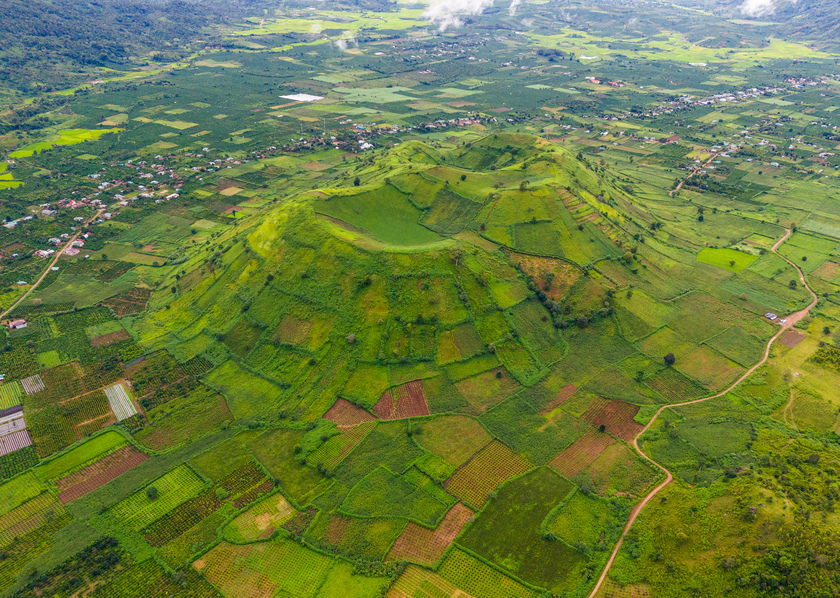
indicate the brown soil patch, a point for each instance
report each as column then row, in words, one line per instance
column 110, row 338
column 291, row 330
column 611, row 589
column 423, row 546
column 539, row 268
column 347, row 415
column 98, row 474
column 129, row 302
column 336, row 529
column 565, row 394
column 828, row 270
column 315, row 166
column 581, row 452
column 791, row 338
column 406, row 400
column 616, row 416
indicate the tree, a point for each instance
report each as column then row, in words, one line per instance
column 463, row 177
column 602, row 428
column 731, row 263
column 670, row 359
column 523, row 186
column 826, row 330
column 792, row 284
column 151, row 493
column 357, row 181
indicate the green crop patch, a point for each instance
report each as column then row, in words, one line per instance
column 478, row 478
column 508, row 532
column 158, row 498
column 738, row 345
column 81, row 455
column 729, row 259
column 354, row 537
column 382, row 494
column 453, row 438
column 368, row 210
column 478, row 578
column 449, row 213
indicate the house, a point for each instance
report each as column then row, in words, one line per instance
column 17, row 324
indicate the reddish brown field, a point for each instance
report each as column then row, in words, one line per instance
column 581, row 452
column 129, row 302
column 565, row 394
column 617, row 416
column 110, row 338
column 336, row 529
column 791, row 338
column 407, row 400
column 423, row 546
column 292, row 330
column 89, row 478
column 345, row 414
column 537, row 268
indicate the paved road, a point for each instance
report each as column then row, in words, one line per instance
column 52, row 263
column 789, row 322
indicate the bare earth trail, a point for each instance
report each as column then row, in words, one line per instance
column 692, row 173
column 789, row 322
column 58, row 254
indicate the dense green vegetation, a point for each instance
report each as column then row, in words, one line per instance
column 400, row 336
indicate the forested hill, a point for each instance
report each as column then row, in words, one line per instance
column 815, row 20
column 45, row 44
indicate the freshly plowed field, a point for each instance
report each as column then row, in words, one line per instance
column 345, row 414
column 791, row 338
column 424, row 546
column 98, row 474
column 617, row 416
column 581, row 452
column 407, row 400
column 110, row 338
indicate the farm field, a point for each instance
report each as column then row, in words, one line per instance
column 352, row 301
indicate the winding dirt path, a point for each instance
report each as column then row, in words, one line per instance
column 789, row 322
column 52, row 263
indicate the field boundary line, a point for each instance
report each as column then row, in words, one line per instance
column 791, row 320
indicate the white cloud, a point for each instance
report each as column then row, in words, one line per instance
column 759, row 8
column 513, row 6
column 448, row 13
column 347, row 38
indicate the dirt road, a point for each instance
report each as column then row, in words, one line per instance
column 692, row 173
column 789, row 322
column 52, row 263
